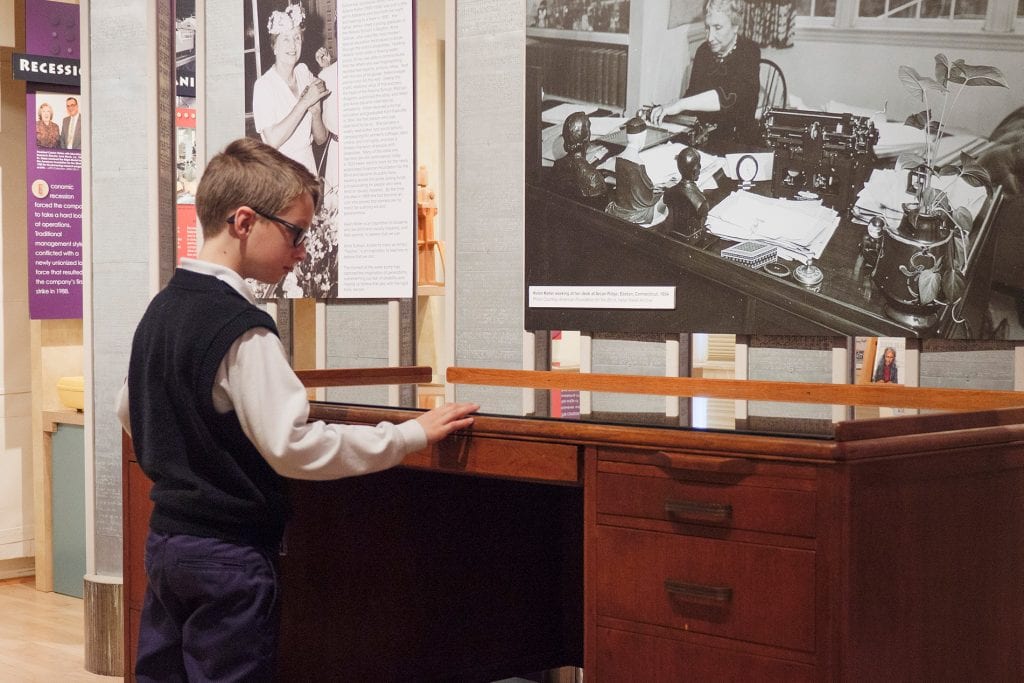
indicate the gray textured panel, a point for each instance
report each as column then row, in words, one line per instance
column 109, row 545
column 968, row 370
column 225, row 75
column 489, row 194
column 625, row 357
column 120, row 237
column 789, row 365
column 357, row 337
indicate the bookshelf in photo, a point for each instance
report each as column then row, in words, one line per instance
column 581, row 71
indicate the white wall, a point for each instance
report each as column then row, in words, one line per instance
column 16, row 515
column 865, row 74
column 7, row 23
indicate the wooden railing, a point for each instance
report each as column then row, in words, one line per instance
column 892, row 395
column 351, row 377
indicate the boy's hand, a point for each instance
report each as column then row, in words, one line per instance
column 440, row 422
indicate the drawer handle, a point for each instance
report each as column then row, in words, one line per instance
column 719, row 512
column 698, row 593
column 704, row 463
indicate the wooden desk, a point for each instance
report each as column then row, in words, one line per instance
column 570, row 243
column 892, row 549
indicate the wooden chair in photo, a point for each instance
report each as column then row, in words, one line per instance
column 772, row 92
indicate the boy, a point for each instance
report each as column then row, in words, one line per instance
column 218, row 419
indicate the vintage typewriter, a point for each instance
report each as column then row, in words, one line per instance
column 820, row 154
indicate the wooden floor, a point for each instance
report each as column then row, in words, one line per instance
column 41, row 636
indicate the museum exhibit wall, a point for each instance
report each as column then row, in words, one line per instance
column 485, row 294
column 490, row 45
column 356, row 333
column 121, row 92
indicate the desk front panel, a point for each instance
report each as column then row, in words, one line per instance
column 749, row 592
column 626, row 656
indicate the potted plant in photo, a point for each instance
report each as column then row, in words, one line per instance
column 924, row 258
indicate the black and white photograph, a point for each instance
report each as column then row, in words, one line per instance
column 185, row 47
column 291, row 104
column 847, row 168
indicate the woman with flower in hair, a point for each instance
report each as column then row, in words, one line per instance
column 286, row 99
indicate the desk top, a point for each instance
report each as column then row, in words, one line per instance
column 814, row 440
column 571, row 244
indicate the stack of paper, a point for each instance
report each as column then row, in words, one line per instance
column 896, row 138
column 603, row 125
column 560, row 112
column 885, row 193
column 800, row 230
column 660, row 162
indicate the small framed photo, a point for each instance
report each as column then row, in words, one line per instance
column 915, row 181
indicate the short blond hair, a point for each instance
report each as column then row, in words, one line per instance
column 250, row 173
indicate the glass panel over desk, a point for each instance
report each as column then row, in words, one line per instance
column 765, row 408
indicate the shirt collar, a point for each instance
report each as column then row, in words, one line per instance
column 222, row 273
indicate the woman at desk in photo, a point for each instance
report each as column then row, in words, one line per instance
column 286, row 99
column 47, row 132
column 724, row 80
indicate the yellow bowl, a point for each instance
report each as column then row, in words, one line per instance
column 71, row 391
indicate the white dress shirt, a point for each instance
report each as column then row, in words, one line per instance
column 256, row 381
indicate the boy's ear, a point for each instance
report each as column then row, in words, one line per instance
column 241, row 222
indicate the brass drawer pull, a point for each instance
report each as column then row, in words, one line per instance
column 695, row 509
column 698, row 593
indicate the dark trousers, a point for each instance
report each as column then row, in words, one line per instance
column 210, row 611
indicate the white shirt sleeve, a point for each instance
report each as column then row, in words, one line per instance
column 256, row 381
column 121, row 406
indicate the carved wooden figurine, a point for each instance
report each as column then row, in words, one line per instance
column 426, row 211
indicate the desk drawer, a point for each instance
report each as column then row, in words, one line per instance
column 733, row 506
column 532, row 460
column 747, row 591
column 628, row 657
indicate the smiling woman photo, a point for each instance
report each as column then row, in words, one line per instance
column 47, row 131
column 288, row 114
column 286, row 99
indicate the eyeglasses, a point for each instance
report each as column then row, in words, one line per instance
column 300, row 233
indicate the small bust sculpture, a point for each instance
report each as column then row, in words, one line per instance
column 573, row 175
column 633, row 198
column 687, row 205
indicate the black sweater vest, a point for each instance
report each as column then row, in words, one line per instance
column 208, row 478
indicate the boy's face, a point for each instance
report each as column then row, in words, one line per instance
column 270, row 252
